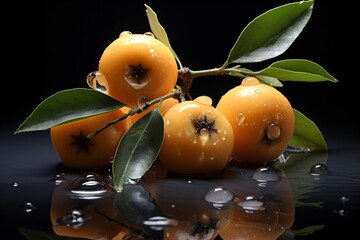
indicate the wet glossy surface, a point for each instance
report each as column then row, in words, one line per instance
column 309, row 192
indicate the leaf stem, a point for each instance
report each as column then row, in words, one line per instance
column 175, row 94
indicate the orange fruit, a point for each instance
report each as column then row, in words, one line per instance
column 262, row 119
column 138, row 66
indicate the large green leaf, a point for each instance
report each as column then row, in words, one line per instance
column 138, row 149
column 66, row 106
column 307, row 134
column 158, row 30
column 271, row 33
column 301, row 70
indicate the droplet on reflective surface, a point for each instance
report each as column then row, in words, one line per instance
column 273, row 131
column 252, row 205
column 97, row 81
column 89, row 186
column 344, row 199
column 265, row 174
column 319, row 169
column 15, row 184
column 219, row 195
column 29, row 207
column 74, row 218
column 160, row 222
column 59, row 178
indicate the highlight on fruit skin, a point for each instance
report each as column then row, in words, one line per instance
column 262, row 119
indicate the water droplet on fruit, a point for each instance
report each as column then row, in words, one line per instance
column 204, row 132
column 273, row 131
column 141, row 101
column 125, row 33
column 258, row 91
column 97, row 81
column 150, row 34
column 240, row 118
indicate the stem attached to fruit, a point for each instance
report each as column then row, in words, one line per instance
column 175, row 94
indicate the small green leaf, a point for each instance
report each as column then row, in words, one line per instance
column 158, row 30
column 271, row 34
column 301, row 70
column 307, row 134
column 138, row 149
column 272, row 81
column 66, row 106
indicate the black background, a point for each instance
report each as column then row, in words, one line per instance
column 51, row 46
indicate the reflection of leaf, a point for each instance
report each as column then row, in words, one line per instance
column 301, row 70
column 307, row 134
column 308, row 230
column 138, row 149
column 296, row 169
column 271, row 33
column 136, row 205
column 66, row 106
column 31, row 234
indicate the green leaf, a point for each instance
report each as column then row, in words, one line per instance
column 138, row 149
column 272, row 81
column 31, row 234
column 307, row 134
column 158, row 30
column 301, row 70
column 271, row 34
column 66, row 106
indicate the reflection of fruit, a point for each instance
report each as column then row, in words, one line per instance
column 265, row 209
column 262, row 119
column 78, row 212
column 198, row 139
column 78, row 152
column 138, row 66
column 184, row 201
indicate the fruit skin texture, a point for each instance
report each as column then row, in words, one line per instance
column 98, row 153
column 198, row 139
column 262, row 119
column 136, row 66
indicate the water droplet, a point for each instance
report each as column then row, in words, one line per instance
column 344, row 199
column 204, row 132
column 219, row 195
column 29, row 207
column 124, row 33
column 59, row 178
column 273, row 131
column 97, row 81
column 142, row 100
column 251, row 205
column 89, row 186
column 15, row 184
column 150, row 34
column 189, row 181
column 160, row 222
column 240, row 118
column 74, row 218
column 319, row 169
column 265, row 174
column 258, row 91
